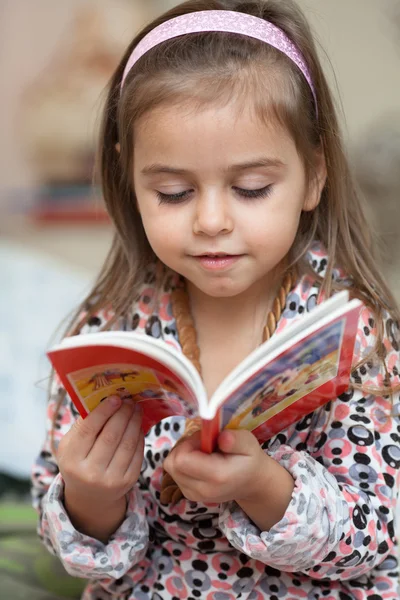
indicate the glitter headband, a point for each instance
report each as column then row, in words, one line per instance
column 221, row 20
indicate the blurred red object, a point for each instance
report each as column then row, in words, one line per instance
column 69, row 204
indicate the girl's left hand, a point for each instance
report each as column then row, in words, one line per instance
column 232, row 474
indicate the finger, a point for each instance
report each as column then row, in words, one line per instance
column 239, row 441
column 133, row 471
column 85, row 431
column 195, row 464
column 128, row 444
column 108, row 440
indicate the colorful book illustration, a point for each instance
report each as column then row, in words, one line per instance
column 292, row 374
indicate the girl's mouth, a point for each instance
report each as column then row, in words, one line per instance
column 217, row 262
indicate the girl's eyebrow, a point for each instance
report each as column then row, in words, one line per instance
column 158, row 168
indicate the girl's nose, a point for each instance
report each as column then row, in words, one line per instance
column 213, row 215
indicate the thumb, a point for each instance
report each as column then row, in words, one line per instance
column 190, row 443
column 237, row 441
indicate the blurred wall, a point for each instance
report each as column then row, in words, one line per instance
column 30, row 32
column 361, row 38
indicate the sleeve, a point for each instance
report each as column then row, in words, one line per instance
column 81, row 555
column 340, row 521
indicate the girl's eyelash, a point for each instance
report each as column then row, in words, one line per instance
column 172, row 198
column 182, row 196
column 260, row 193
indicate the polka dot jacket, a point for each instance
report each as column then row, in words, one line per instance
column 336, row 540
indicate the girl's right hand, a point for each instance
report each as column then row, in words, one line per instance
column 100, row 459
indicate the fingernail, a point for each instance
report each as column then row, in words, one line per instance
column 138, row 408
column 115, row 400
column 128, row 401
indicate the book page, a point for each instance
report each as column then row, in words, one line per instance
column 129, row 381
column 319, row 316
column 295, row 373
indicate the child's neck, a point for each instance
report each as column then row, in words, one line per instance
column 228, row 329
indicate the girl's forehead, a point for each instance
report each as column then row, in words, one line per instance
column 170, row 123
column 187, row 108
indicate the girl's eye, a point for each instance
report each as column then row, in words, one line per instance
column 260, row 193
column 182, row 196
column 173, row 198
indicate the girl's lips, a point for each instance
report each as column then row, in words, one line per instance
column 217, row 263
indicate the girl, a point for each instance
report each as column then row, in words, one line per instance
column 224, row 173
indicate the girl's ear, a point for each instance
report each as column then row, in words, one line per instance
column 317, row 183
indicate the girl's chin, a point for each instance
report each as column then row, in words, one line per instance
column 219, row 289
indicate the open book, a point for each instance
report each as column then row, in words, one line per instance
column 292, row 374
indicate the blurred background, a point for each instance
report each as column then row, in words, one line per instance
column 55, row 60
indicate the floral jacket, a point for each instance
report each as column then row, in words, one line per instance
column 336, row 541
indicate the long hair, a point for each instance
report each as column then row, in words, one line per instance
column 214, row 67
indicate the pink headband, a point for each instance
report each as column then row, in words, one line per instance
column 221, row 20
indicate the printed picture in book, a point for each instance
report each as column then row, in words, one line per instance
column 297, row 372
column 95, row 384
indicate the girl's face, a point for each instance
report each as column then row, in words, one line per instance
column 220, row 195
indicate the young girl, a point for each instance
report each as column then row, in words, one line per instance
column 224, row 173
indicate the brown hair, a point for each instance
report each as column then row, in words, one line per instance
column 214, row 67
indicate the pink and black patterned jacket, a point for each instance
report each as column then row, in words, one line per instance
column 336, row 541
